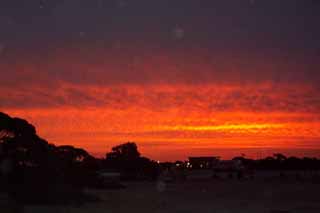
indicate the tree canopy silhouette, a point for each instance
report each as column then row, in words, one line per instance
column 126, row 151
column 127, row 159
column 20, row 143
column 28, row 162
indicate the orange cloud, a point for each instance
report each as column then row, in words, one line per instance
column 208, row 98
column 169, row 117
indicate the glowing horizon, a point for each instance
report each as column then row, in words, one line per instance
column 158, row 118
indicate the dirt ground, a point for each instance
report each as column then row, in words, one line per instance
column 202, row 196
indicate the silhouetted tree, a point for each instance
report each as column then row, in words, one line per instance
column 20, row 143
column 126, row 159
column 127, row 151
column 30, row 163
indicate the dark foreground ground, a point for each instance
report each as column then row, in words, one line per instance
column 202, row 196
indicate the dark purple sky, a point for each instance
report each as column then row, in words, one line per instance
column 248, row 35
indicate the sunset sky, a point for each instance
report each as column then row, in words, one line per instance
column 179, row 78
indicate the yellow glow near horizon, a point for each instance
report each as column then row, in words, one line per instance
column 240, row 127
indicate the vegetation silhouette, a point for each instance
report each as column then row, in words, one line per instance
column 126, row 159
column 30, row 163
